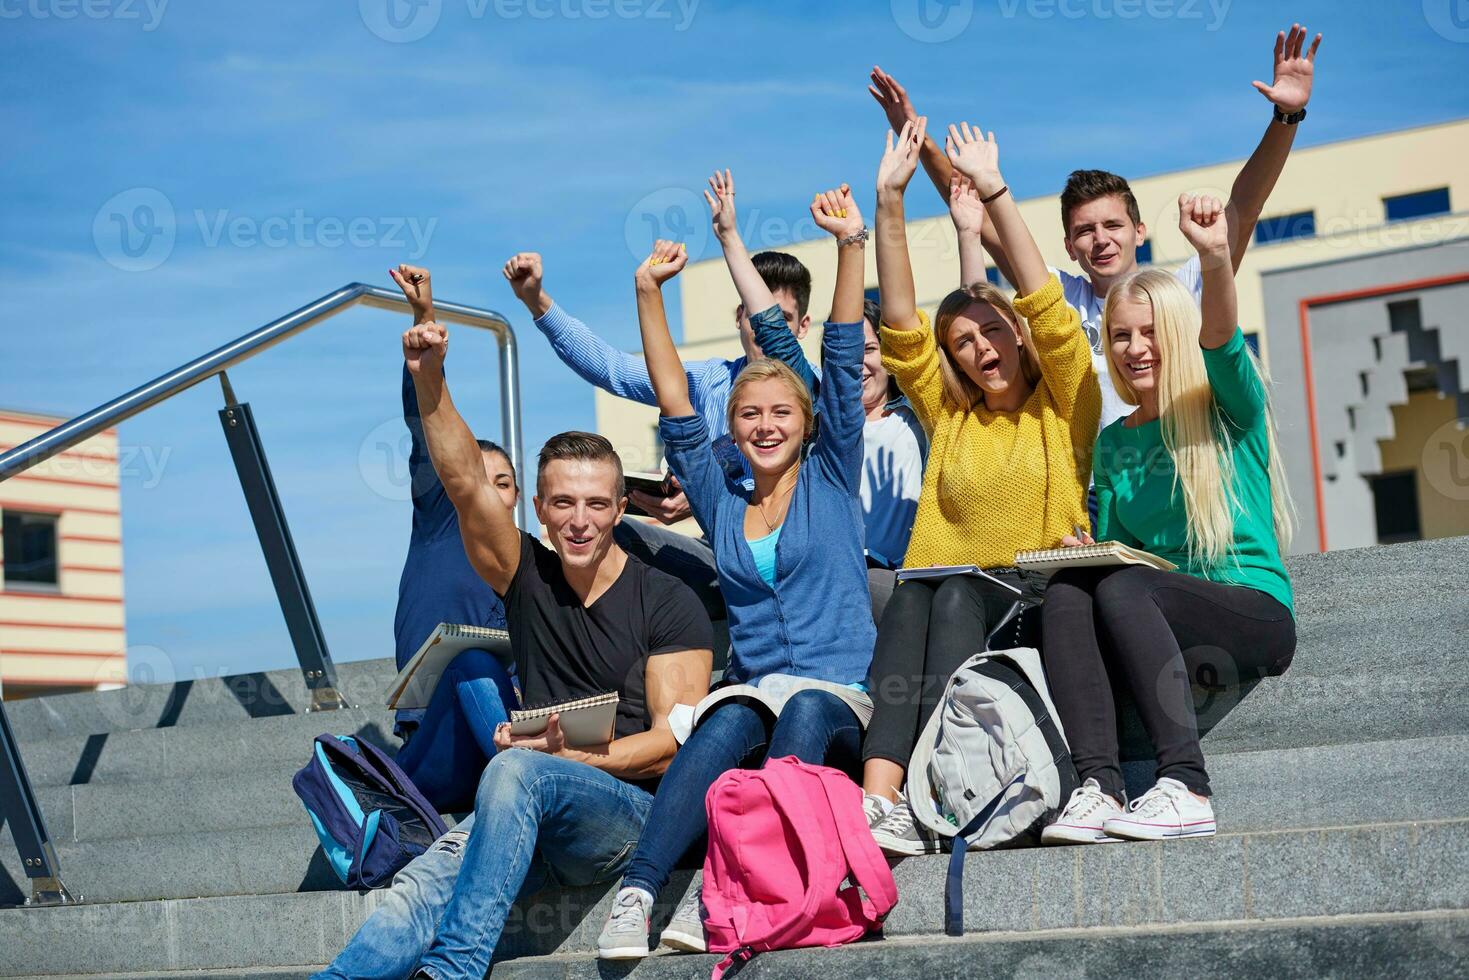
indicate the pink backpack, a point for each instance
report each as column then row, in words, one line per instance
column 782, row 840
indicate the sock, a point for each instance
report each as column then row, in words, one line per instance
column 644, row 896
column 887, row 804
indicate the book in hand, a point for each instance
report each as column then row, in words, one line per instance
column 944, row 571
column 771, row 692
column 652, row 483
column 584, row 721
column 415, row 683
column 1089, row 556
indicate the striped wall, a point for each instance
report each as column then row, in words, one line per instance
column 71, row 637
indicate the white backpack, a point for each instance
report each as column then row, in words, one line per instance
column 992, row 763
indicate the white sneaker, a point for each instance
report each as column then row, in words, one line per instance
column 685, row 931
column 899, row 833
column 1082, row 820
column 874, row 808
column 625, row 936
column 1166, row 811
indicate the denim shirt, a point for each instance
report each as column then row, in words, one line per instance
column 816, row 620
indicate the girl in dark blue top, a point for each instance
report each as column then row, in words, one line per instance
column 788, row 553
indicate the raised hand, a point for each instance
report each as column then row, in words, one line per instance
column 892, row 97
column 836, row 213
column 900, row 158
column 976, row 156
column 417, row 286
column 1291, row 89
column 1203, row 223
column 665, row 261
column 722, row 204
column 964, row 207
column 523, row 272
column 424, row 347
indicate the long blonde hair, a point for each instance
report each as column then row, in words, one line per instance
column 766, row 369
column 1199, row 443
column 961, row 393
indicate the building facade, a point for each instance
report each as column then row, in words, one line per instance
column 1367, row 208
column 61, row 599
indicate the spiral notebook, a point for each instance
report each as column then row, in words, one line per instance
column 584, row 721
column 1090, row 555
column 415, row 683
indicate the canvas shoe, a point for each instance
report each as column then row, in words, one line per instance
column 873, row 809
column 1166, row 811
column 899, row 834
column 1082, row 819
column 625, row 936
column 685, row 931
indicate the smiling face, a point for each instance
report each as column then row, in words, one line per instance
column 874, row 375
column 985, row 346
column 769, row 424
column 577, row 502
column 1103, row 239
column 787, row 302
column 1131, row 345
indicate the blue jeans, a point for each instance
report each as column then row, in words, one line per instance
column 537, row 819
column 456, row 737
column 815, row 727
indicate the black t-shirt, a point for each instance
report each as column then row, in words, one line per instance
column 565, row 650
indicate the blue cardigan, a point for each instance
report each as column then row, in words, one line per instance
column 817, row 619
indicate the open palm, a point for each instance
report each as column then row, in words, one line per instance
column 1294, row 71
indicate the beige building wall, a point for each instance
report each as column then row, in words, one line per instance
column 1344, row 183
column 1418, row 430
column 71, row 635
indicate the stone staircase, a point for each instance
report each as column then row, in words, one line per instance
column 1344, row 844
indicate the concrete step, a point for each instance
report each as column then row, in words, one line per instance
column 1377, row 871
column 1412, row 944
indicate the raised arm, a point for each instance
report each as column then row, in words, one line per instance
column 670, row 383
column 491, row 539
column 976, row 155
column 754, row 294
column 969, row 224
column 839, row 446
column 1288, row 92
column 894, row 268
column 898, row 107
column 1203, row 223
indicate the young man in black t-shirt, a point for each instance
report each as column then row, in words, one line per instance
column 585, row 617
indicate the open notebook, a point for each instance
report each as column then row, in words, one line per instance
column 1090, row 555
column 415, row 683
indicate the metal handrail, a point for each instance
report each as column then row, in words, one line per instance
column 103, row 417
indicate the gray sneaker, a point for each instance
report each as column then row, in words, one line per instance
column 625, row 936
column 685, row 931
column 899, row 834
column 873, row 809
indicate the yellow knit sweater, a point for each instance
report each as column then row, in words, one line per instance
column 1002, row 482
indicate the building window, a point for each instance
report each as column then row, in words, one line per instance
column 1418, row 205
column 992, row 275
column 1252, row 341
column 1145, row 253
column 1395, row 499
column 30, row 549
column 1282, row 227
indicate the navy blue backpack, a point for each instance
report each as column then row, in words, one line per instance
column 370, row 817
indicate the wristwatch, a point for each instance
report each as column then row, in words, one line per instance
column 1290, row 118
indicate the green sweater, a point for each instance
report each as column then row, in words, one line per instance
column 1137, row 503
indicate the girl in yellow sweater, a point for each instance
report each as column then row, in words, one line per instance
column 1009, row 399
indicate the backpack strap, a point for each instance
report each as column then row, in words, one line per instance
column 954, row 884
column 866, row 862
column 392, row 775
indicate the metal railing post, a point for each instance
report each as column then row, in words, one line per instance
column 27, row 825
column 279, row 550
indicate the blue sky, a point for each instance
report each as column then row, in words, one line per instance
column 301, row 146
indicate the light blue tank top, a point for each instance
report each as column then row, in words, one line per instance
column 764, row 551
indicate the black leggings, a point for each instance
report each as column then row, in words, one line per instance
column 929, row 628
column 1158, row 632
